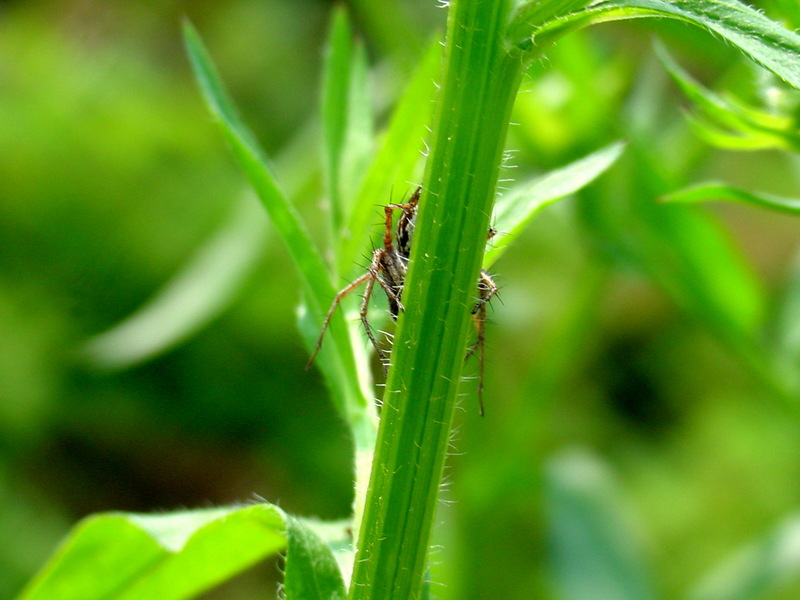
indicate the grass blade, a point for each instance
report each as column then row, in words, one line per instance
column 515, row 210
column 346, row 116
column 706, row 192
column 337, row 359
column 397, row 157
column 197, row 294
column 754, row 128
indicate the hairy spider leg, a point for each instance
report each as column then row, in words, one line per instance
column 343, row 293
column 378, row 264
column 487, row 289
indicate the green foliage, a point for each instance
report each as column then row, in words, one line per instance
column 462, row 113
column 349, row 394
column 169, row 556
column 762, row 40
column 596, row 553
column 720, row 191
column 515, row 210
column 727, row 122
column 598, row 550
column 179, row 555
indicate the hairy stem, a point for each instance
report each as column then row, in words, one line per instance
column 478, row 88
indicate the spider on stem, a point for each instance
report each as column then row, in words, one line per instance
column 388, row 268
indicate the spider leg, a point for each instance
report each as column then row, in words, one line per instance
column 390, row 293
column 480, row 326
column 336, row 301
column 372, row 276
column 488, row 289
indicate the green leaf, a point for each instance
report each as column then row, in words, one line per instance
column 532, row 14
column 596, row 553
column 311, row 569
column 399, row 153
column 764, row 41
column 194, row 296
column 706, row 192
column 758, row 571
column 173, row 556
column 338, row 358
column 515, row 209
column 785, row 328
column 752, row 128
column 346, row 116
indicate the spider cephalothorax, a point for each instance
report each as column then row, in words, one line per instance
column 388, row 268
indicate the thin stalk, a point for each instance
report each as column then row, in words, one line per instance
column 478, row 89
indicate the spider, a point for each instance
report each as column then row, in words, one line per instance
column 388, row 268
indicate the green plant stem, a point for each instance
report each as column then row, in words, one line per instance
column 478, row 89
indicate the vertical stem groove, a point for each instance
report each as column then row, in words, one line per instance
column 479, row 85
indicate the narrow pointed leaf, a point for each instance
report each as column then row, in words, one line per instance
column 707, row 192
column 195, row 296
column 399, row 153
column 337, row 357
column 515, row 210
column 755, row 128
column 346, row 115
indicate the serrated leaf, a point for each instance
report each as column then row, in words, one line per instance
column 758, row 571
column 515, row 210
column 119, row 556
column 337, row 357
column 753, row 128
column 188, row 301
column 707, row 192
column 762, row 40
column 595, row 552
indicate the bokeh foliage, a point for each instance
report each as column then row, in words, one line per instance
column 113, row 176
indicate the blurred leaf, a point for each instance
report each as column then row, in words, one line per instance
column 399, row 153
column 515, row 209
column 196, row 295
column 706, row 192
column 337, row 358
column 764, row 41
column 172, row 556
column 311, row 570
column 784, row 330
column 346, row 115
column 759, row 571
column 721, row 138
column 595, row 553
column 751, row 127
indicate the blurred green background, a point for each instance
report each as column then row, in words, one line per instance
column 112, row 176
